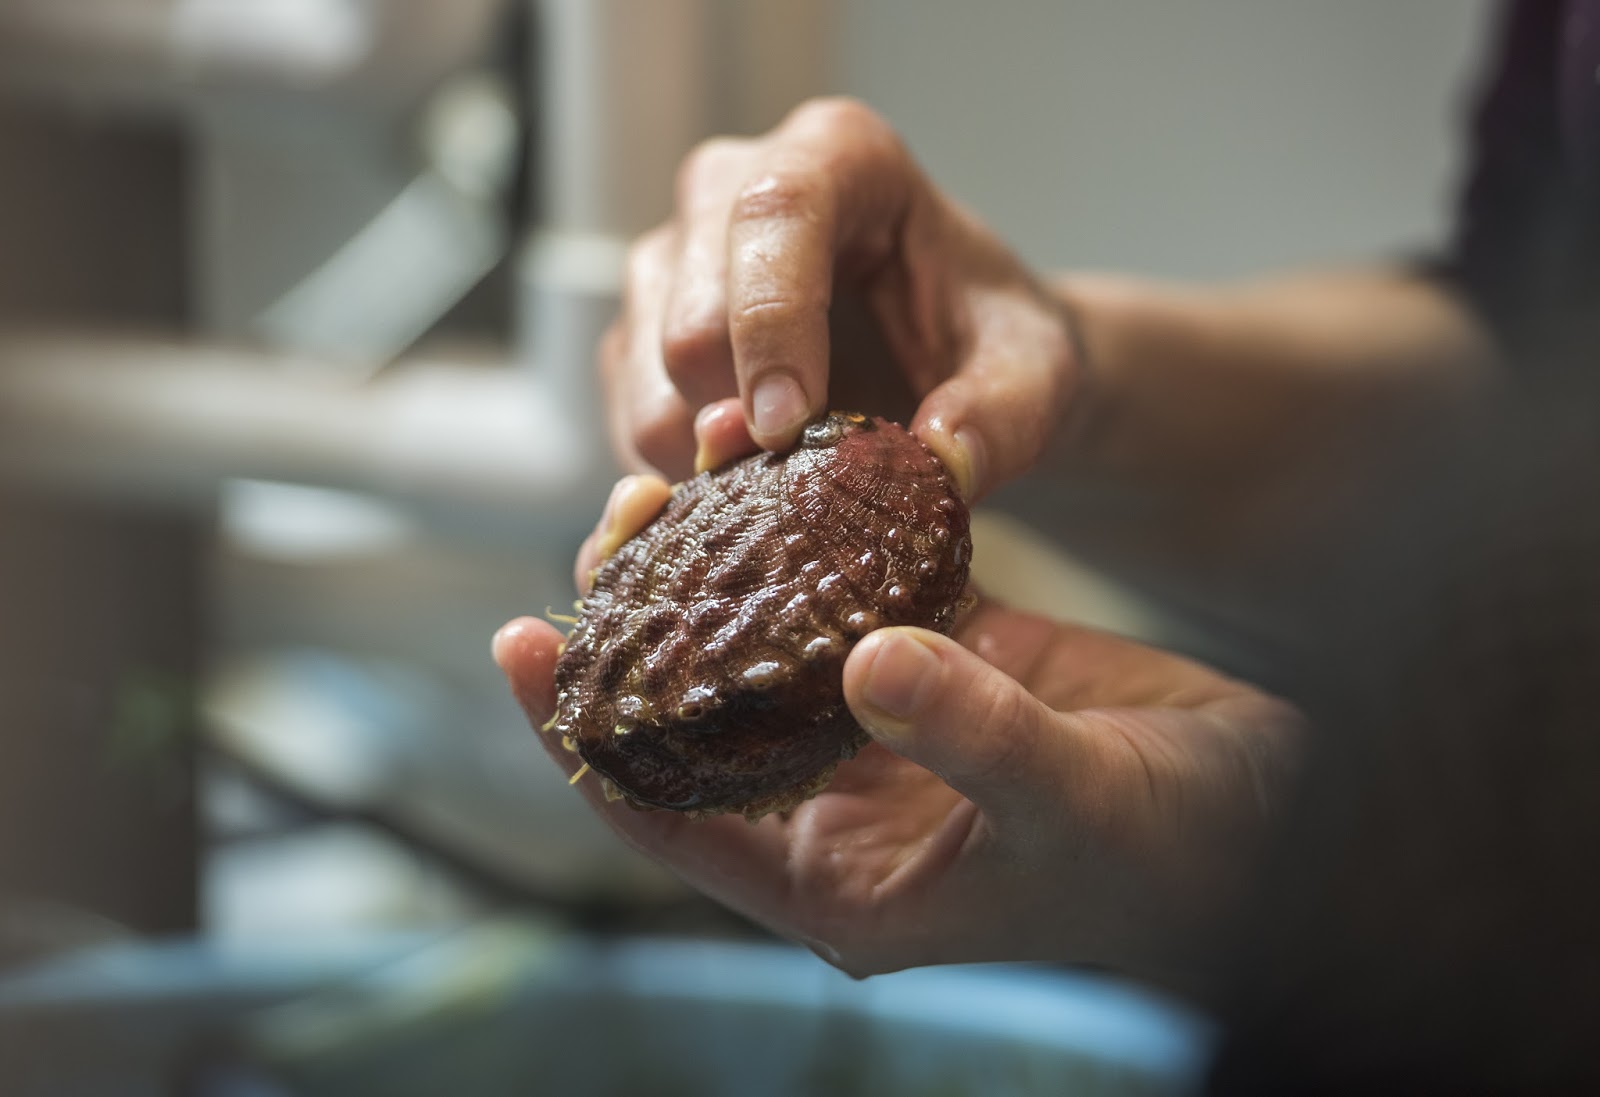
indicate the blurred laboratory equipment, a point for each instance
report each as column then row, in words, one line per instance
column 313, row 288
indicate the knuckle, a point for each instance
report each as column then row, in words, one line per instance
column 771, row 314
column 705, row 163
column 838, row 114
column 693, row 346
column 848, row 125
column 786, row 194
column 646, row 252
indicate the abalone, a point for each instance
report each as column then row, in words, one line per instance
column 705, row 672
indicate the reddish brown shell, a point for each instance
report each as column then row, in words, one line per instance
column 706, row 671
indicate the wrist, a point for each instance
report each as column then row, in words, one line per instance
column 1142, row 345
column 1102, row 315
column 1085, row 415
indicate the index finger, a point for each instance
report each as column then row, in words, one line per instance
column 833, row 186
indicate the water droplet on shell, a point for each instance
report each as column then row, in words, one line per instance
column 762, row 675
column 817, row 646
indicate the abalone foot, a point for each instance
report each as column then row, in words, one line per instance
column 777, row 803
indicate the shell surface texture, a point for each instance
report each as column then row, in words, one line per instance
column 705, row 673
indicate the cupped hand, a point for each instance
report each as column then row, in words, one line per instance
column 1033, row 791
column 772, row 238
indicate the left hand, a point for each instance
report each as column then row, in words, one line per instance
column 818, row 266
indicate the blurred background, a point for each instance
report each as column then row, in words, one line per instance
column 298, row 301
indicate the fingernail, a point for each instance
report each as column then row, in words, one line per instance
column 778, row 405
column 901, row 677
column 634, row 504
column 609, row 514
column 971, row 460
column 702, row 452
column 703, row 460
column 500, row 646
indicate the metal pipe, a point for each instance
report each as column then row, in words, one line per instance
column 623, row 94
column 163, row 418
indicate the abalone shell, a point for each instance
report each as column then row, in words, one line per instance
column 705, row 673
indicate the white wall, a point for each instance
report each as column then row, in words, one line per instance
column 1182, row 137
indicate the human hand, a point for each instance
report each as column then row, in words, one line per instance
column 727, row 308
column 1034, row 791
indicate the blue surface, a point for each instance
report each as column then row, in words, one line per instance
column 1016, row 1003
column 515, row 1009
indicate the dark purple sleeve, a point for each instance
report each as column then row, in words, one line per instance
column 1509, row 223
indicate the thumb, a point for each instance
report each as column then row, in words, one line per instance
column 928, row 699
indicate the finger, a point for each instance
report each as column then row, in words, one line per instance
column 721, row 435
column 657, row 425
column 991, row 421
column 834, row 183
column 633, row 504
column 526, row 651
column 651, row 423
column 695, row 345
column 930, row 700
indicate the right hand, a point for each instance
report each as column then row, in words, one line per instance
column 727, row 309
column 1034, row 791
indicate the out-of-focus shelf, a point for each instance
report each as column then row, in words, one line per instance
column 413, row 748
column 152, row 417
column 194, row 55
